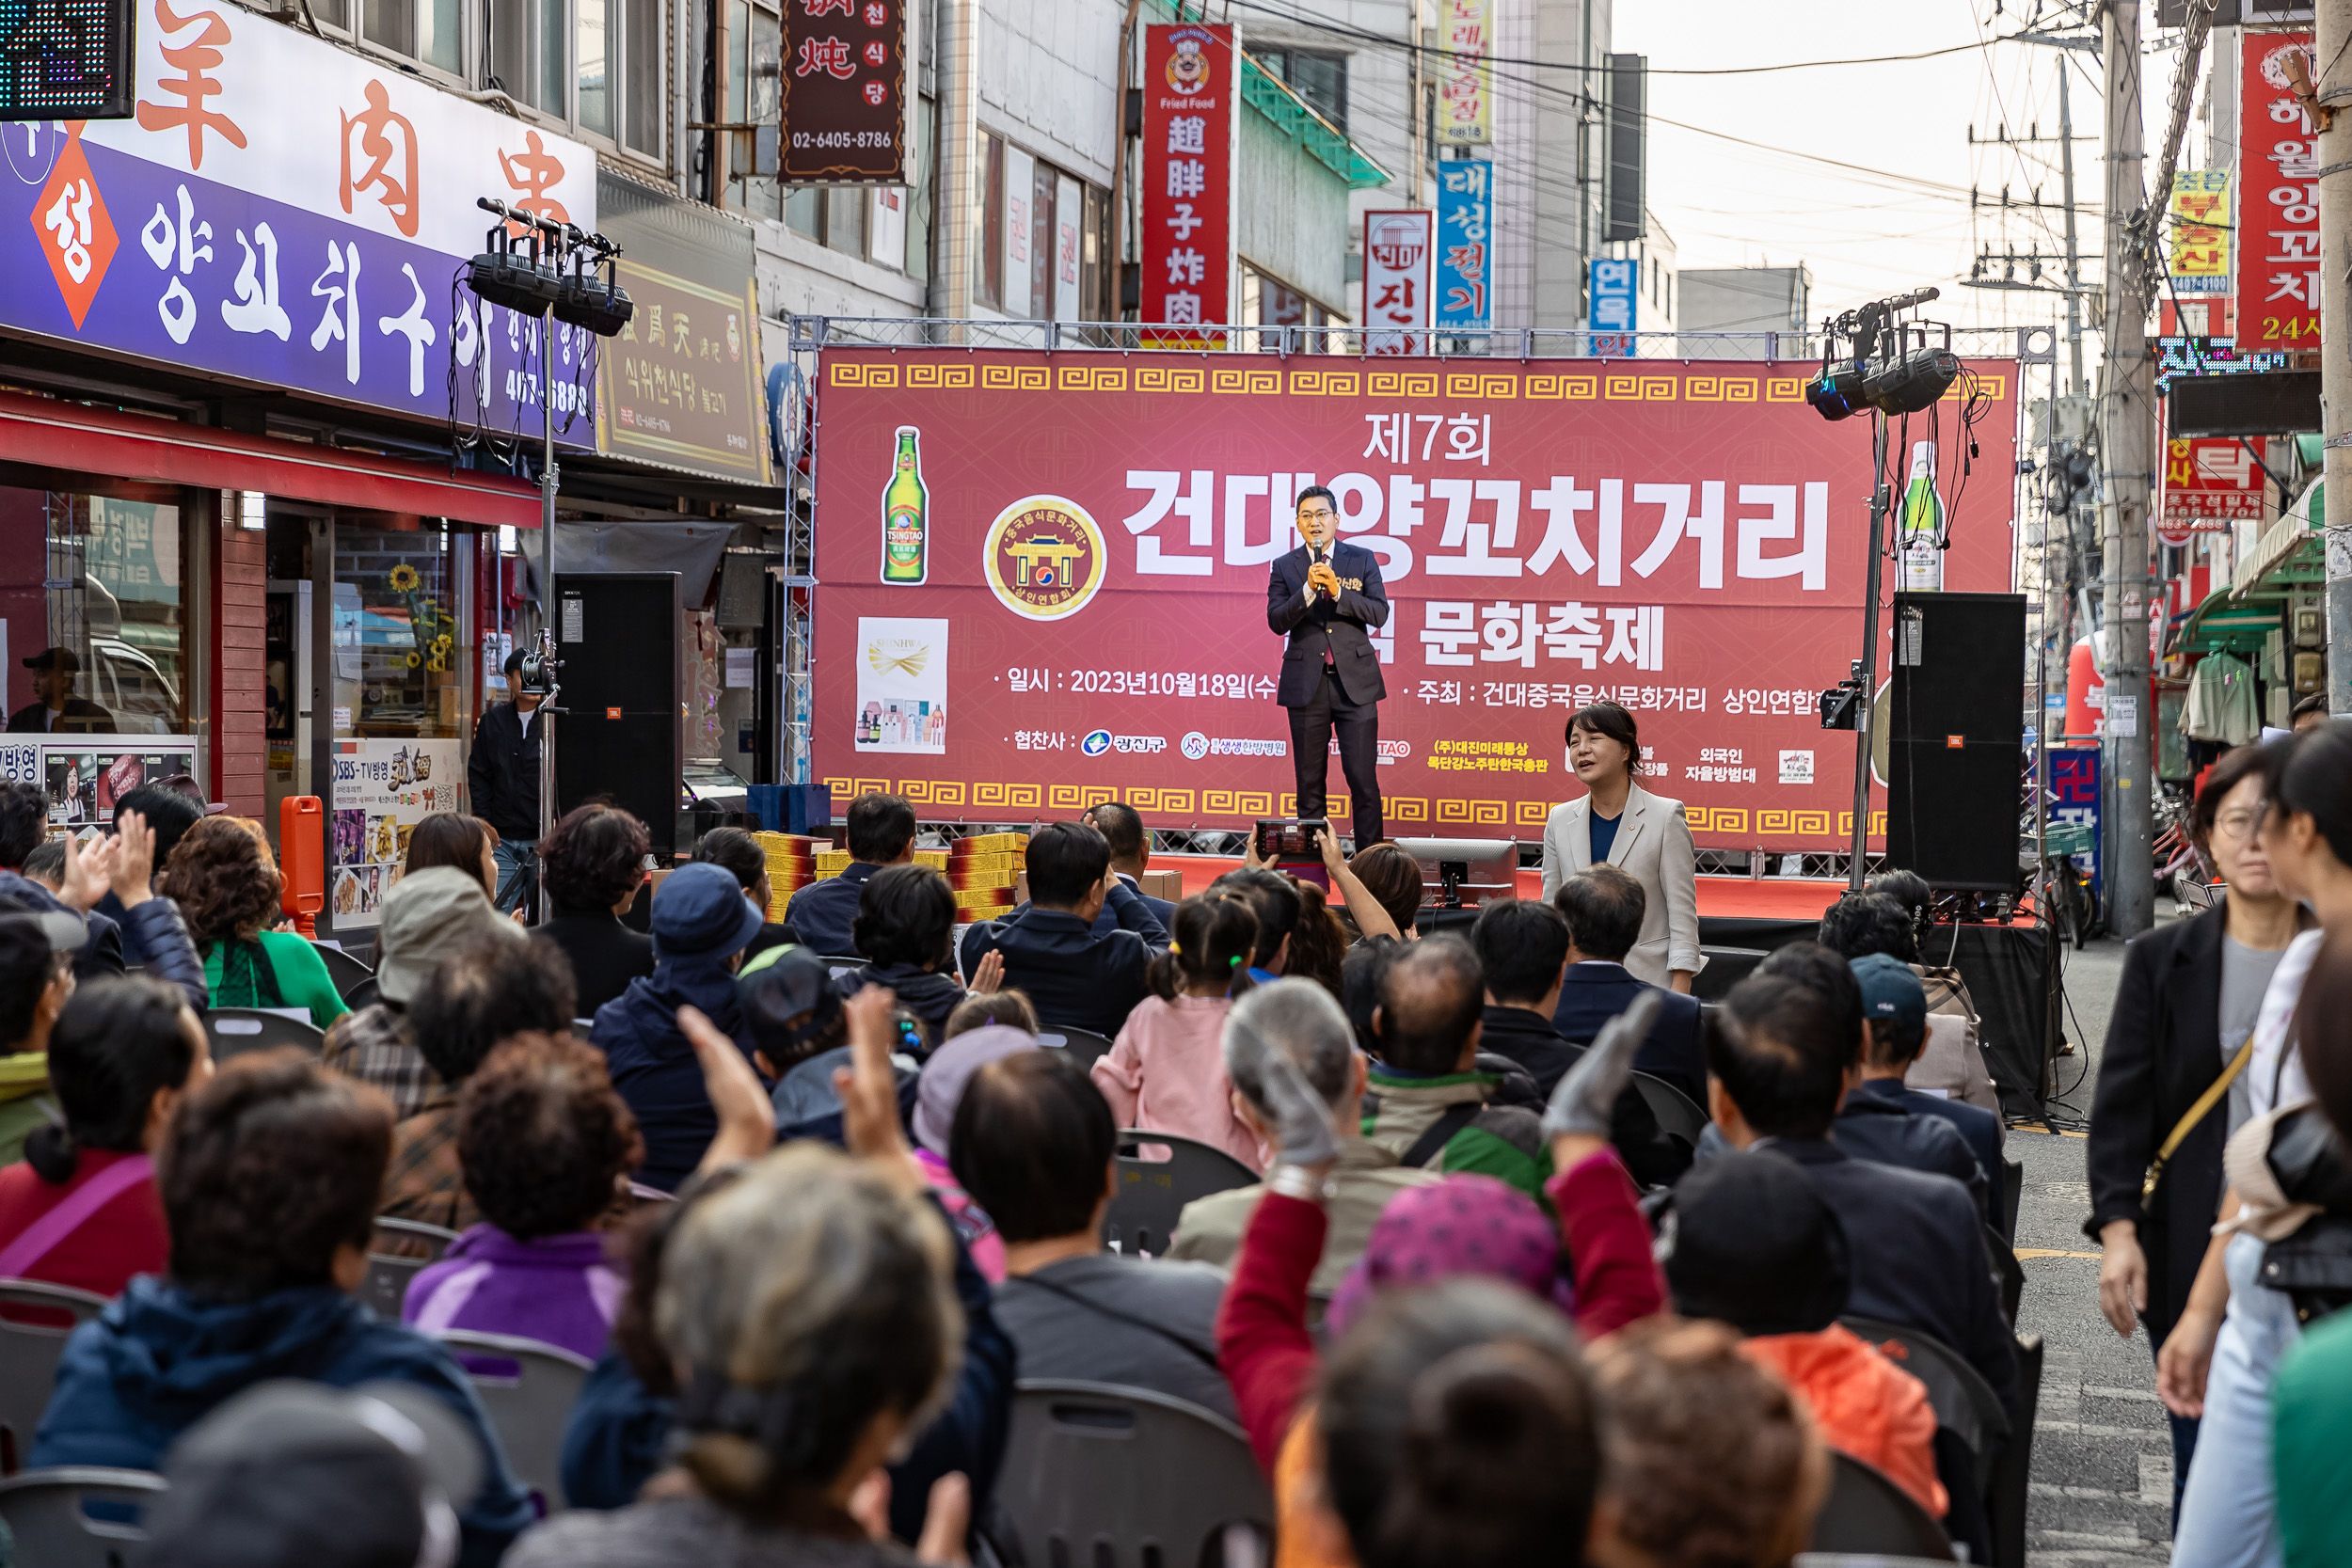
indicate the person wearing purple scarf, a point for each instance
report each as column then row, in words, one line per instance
column 547, row 1147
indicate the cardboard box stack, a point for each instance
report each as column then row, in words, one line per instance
column 791, row 866
column 982, row 869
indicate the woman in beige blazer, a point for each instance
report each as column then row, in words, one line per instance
column 1651, row 843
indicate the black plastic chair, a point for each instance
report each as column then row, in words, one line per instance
column 234, row 1030
column 1148, row 1195
column 347, row 972
column 385, row 1285
column 364, row 994
column 50, row 1516
column 1867, row 1516
column 1725, row 967
column 529, row 1390
column 2005, row 1499
column 1100, row 1476
column 1085, row 1046
column 2013, row 1189
column 29, row 1352
column 1964, row 1403
column 2008, row 1273
column 1676, row 1113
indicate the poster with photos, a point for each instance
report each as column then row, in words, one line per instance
column 383, row 790
column 901, row 684
column 83, row 784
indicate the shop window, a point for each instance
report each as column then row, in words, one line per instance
column 91, row 586
column 1317, row 75
column 595, row 64
column 400, row 645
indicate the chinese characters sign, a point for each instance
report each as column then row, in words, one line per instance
column 70, row 59
column 845, row 91
column 2278, row 187
column 1466, row 91
column 1685, row 538
column 1617, row 304
column 1465, row 258
column 284, row 213
column 2197, row 255
column 1396, row 282
column 1189, row 94
column 681, row 385
column 2208, row 485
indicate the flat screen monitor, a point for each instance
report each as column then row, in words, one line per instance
column 1486, row 869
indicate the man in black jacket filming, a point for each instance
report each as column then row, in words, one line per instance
column 503, row 778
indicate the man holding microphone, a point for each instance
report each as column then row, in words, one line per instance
column 1325, row 597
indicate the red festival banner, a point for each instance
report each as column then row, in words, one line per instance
column 2277, row 200
column 1072, row 604
column 1191, row 86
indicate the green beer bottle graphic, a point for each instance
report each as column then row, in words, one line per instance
column 904, row 558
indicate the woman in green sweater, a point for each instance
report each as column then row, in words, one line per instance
column 227, row 885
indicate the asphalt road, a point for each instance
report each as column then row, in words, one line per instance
column 2101, row 1486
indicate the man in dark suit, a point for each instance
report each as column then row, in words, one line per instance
column 1781, row 1060
column 881, row 832
column 1325, row 597
column 1122, row 826
column 1604, row 907
column 1078, row 980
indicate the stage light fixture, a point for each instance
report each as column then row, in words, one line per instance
column 593, row 300
column 1837, row 392
column 508, row 273
column 1911, row 382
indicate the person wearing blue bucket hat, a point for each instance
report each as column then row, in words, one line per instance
column 701, row 925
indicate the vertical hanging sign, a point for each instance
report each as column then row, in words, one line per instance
column 1466, row 89
column 2277, row 201
column 1396, row 282
column 845, row 91
column 1190, row 91
column 2197, row 254
column 1464, row 270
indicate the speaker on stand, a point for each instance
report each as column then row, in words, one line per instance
column 1955, row 760
column 620, row 732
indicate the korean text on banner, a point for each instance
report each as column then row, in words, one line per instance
column 2277, row 201
column 845, row 91
column 383, row 790
column 2209, row 483
column 1465, row 297
column 1191, row 88
column 1685, row 538
column 2197, row 254
column 1615, row 291
column 1396, row 282
column 303, row 239
column 1465, row 88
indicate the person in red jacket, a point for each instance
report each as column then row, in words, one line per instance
column 1486, row 1343
column 81, row 1209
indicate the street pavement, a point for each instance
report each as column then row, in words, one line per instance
column 2102, row 1478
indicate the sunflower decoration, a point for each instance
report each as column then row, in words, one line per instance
column 404, row 578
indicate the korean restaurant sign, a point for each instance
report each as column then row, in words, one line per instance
column 285, row 213
column 1465, row 256
column 1396, row 282
column 682, row 384
column 1465, row 88
column 1191, row 89
column 2197, row 252
column 845, row 91
column 1684, row 537
column 2209, row 486
column 2277, row 201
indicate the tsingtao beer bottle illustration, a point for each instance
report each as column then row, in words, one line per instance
column 905, row 555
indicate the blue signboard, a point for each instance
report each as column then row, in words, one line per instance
column 1465, row 258
column 2074, row 780
column 1615, row 304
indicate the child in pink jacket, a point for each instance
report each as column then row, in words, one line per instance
column 1166, row 1072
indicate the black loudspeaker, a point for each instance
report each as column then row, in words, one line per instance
column 621, row 732
column 1954, row 739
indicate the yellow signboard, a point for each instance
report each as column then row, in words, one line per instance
column 2198, row 239
column 1466, row 88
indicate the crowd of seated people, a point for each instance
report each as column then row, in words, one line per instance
column 812, row 1221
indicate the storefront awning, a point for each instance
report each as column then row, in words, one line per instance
column 2292, row 539
column 46, row 434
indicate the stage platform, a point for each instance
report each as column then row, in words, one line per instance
column 1778, row 899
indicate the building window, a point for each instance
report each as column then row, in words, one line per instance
column 594, row 64
column 90, row 590
column 1317, row 75
column 1267, row 302
column 990, row 285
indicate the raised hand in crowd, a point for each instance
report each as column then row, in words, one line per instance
column 868, row 1088
column 1371, row 919
column 87, row 871
column 1305, row 1138
column 946, row 1517
column 988, row 975
column 133, row 867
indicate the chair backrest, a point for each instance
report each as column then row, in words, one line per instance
column 30, row 1346
column 385, row 1285
column 2008, row 1273
column 362, row 994
column 47, row 1512
column 2013, row 1188
column 1148, row 1195
column 1965, row 1402
column 1099, row 1476
column 529, row 1390
column 1085, row 1046
column 234, row 1030
column 413, row 1234
column 345, row 972
column 1867, row 1516
column 1676, row 1113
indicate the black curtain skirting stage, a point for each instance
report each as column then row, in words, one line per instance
column 2004, row 966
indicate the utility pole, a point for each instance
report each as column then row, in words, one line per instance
column 2335, row 375
column 2074, row 254
column 2126, row 453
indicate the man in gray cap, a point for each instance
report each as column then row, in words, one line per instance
column 58, row 710
column 428, row 916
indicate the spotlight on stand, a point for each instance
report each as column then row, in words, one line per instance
column 1911, row 381
column 1837, row 392
column 505, row 273
column 587, row 299
column 1882, row 373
